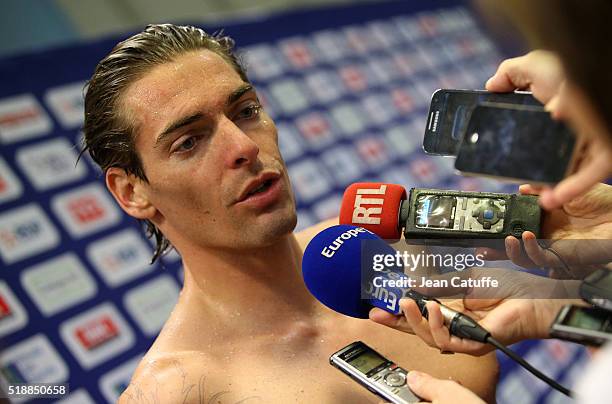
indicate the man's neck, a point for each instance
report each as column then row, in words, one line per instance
column 259, row 290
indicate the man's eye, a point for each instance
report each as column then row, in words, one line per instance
column 249, row 112
column 186, row 145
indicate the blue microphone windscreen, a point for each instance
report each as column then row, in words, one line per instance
column 332, row 267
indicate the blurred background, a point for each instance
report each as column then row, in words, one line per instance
column 348, row 83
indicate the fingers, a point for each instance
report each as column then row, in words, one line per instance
column 444, row 340
column 425, row 386
column 439, row 332
column 509, row 77
column 412, row 321
column 415, row 320
column 512, row 247
column 515, row 253
column 553, row 106
column 439, row 391
column 433, row 332
column 593, row 172
column 531, row 255
column 538, row 71
column 529, row 189
column 385, row 318
column 536, row 254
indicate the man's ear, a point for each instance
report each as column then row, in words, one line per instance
column 129, row 193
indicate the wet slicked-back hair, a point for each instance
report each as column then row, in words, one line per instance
column 109, row 135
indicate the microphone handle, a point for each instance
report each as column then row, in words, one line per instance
column 458, row 324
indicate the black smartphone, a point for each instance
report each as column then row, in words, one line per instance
column 449, row 113
column 516, row 142
column 585, row 325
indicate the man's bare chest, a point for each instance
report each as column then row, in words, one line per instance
column 289, row 376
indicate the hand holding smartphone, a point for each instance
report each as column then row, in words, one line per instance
column 500, row 135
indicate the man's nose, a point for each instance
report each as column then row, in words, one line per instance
column 239, row 148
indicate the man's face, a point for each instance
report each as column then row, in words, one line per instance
column 210, row 153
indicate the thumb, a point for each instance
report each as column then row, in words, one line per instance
column 385, row 318
column 440, row 391
column 428, row 387
column 500, row 83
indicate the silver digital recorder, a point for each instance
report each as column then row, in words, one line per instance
column 375, row 372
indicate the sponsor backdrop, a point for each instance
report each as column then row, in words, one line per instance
column 349, row 88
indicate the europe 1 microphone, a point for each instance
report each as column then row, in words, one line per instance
column 434, row 214
column 331, row 270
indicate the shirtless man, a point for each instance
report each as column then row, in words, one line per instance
column 185, row 146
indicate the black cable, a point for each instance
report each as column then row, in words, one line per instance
column 512, row 355
column 463, row 326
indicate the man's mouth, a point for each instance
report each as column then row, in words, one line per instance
column 262, row 188
column 259, row 186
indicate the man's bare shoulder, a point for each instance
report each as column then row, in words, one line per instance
column 166, row 378
column 303, row 237
column 183, row 377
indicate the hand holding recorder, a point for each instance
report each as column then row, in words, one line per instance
column 579, row 236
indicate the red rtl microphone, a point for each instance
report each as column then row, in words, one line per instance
column 374, row 206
